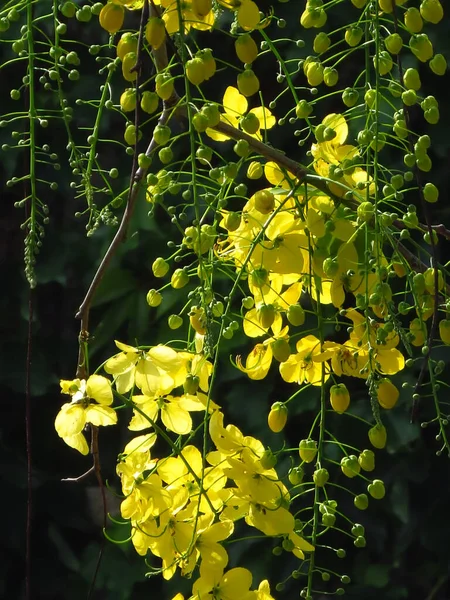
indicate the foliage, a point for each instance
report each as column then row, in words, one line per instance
column 284, row 189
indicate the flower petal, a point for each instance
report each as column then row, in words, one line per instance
column 100, row 415
column 70, row 420
column 176, row 419
column 78, row 442
column 234, row 103
column 265, row 117
column 99, row 388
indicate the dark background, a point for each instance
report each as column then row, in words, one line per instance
column 407, row 554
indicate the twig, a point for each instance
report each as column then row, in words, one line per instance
column 439, row 229
column 267, row 151
column 161, row 61
column 29, row 515
column 435, row 589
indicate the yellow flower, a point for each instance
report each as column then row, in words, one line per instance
column 304, row 366
column 174, row 412
column 156, row 372
column 206, row 545
column 232, row 585
column 235, row 106
column 253, row 479
column 332, row 153
column 174, row 471
column 344, row 358
column 132, row 466
column 300, row 545
column 263, row 592
column 73, row 416
column 248, row 15
column 190, row 17
column 229, row 439
column 258, row 362
column 271, row 520
column 147, row 499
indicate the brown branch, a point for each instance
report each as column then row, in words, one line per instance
column 439, row 229
column 261, row 148
column 83, row 312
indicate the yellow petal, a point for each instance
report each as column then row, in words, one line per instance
column 141, row 443
column 68, row 386
column 151, row 380
column 99, row 388
column 258, row 362
column 235, row 582
column 70, row 420
column 339, row 124
column 391, row 361
column 252, row 326
column 165, row 358
column 100, row 415
column 78, row 442
column 248, row 15
column 126, row 347
column 141, row 421
column 301, row 542
column 265, row 117
column 120, row 363
column 234, row 103
column 176, row 419
column 190, row 403
column 275, row 175
column 290, row 369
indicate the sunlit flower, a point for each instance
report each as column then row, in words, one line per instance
column 90, row 403
column 235, row 106
column 304, row 366
column 258, row 361
column 232, row 585
column 157, row 371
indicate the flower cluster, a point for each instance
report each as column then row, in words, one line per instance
column 300, row 243
column 182, row 507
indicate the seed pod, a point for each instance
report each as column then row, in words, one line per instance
column 160, row 267
column 321, row 477
column 246, row 48
column 127, row 43
column 128, row 62
column 164, row 85
column 179, row 279
column 195, row 71
column 111, row 17
column 128, row 100
column 376, row 489
column 277, row 417
column 339, row 398
column 155, row 32
column 248, row 83
column 307, row 450
column 367, row 460
column 387, row 393
column 295, row 315
column 266, row 315
column 264, row 201
column 378, row 436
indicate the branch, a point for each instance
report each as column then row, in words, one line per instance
column 161, row 61
column 439, row 229
column 261, row 148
